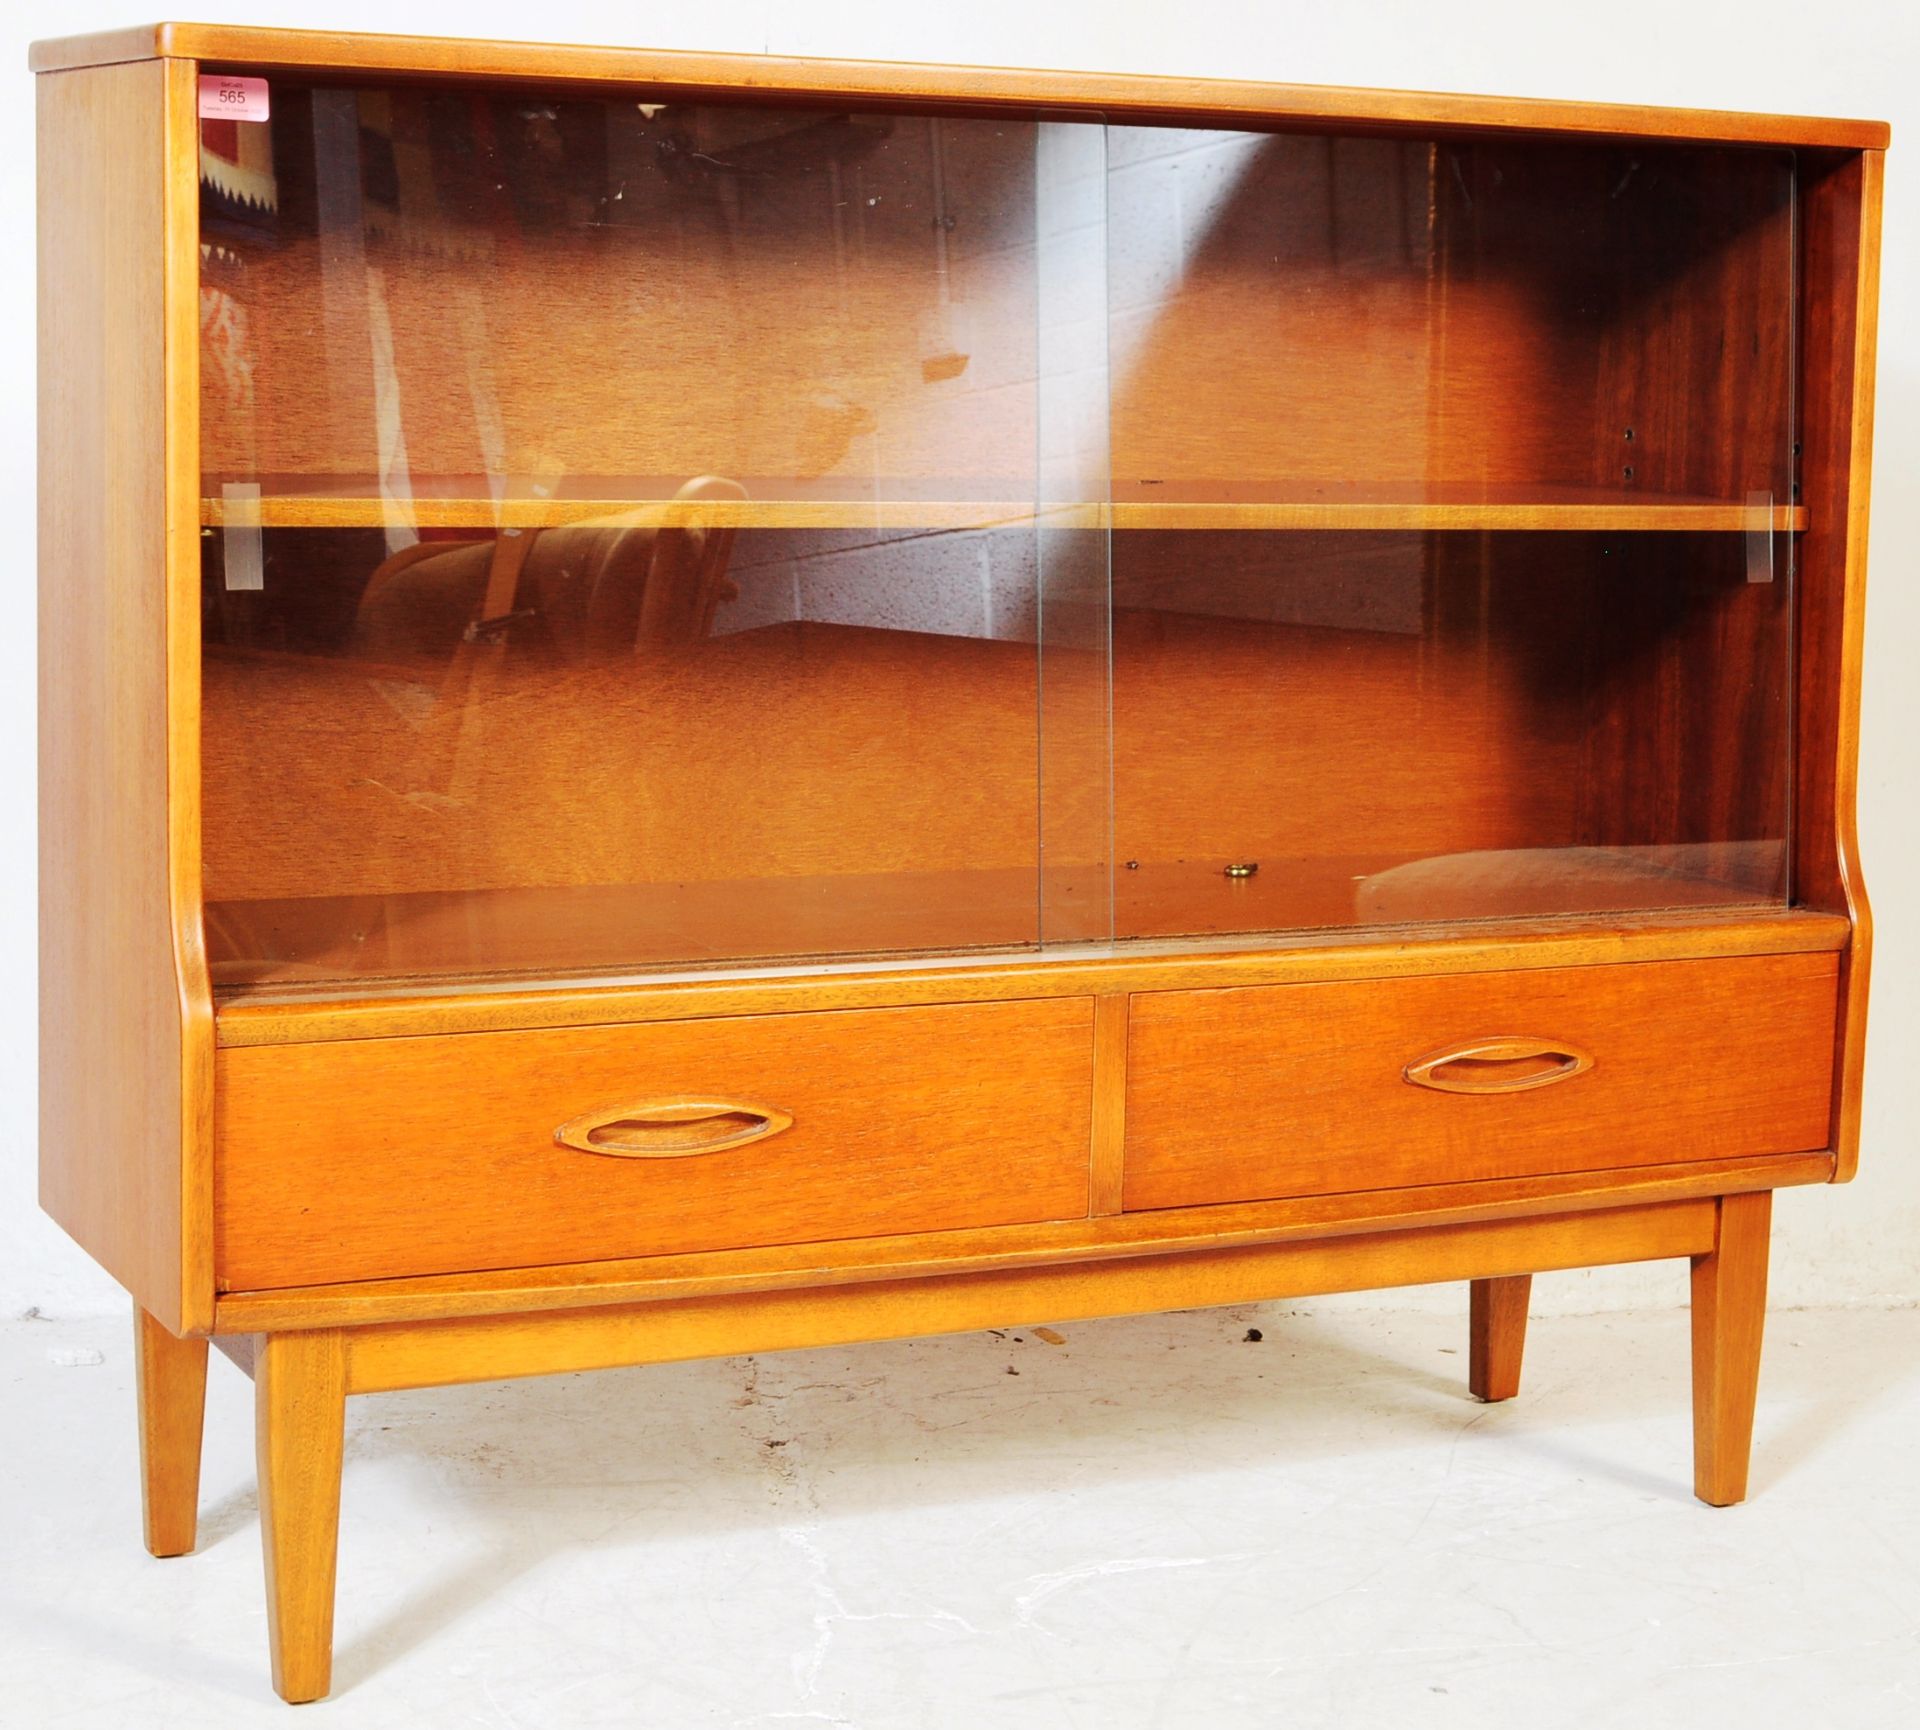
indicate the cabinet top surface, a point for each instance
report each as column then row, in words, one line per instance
column 1113, row 94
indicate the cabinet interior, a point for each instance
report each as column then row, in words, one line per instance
column 691, row 533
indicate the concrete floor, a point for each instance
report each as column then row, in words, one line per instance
column 1155, row 1523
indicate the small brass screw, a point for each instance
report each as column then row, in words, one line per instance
column 1249, row 869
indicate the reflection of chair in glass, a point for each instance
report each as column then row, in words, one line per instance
column 582, row 591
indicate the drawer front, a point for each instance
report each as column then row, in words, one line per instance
column 370, row 1159
column 1285, row 1090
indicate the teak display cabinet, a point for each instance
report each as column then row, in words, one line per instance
column 694, row 705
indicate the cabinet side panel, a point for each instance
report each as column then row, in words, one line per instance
column 125, row 1030
column 1841, row 271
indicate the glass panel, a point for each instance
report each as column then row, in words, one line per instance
column 652, row 534
column 620, row 547
column 1453, row 505
column 1073, row 536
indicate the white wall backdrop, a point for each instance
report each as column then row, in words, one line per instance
column 1859, row 57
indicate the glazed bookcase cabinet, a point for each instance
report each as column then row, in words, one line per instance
column 694, row 705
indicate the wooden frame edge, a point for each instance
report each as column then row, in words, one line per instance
column 1121, row 95
column 1497, row 947
column 1850, row 1057
column 1106, row 1165
column 98, row 48
column 155, row 1014
column 181, row 348
column 1096, row 1241
column 391, row 1356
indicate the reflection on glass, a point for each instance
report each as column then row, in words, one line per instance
column 620, row 534
column 1326, row 729
column 644, row 534
column 1361, row 322
column 1453, row 510
column 1073, row 536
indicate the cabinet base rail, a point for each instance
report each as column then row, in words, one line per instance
column 302, row 1377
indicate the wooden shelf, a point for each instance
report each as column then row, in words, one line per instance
column 1653, row 515
column 398, row 941
column 354, row 504
column 464, row 502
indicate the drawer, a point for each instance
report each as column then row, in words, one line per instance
column 1285, row 1090
column 370, row 1159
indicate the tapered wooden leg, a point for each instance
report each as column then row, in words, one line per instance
column 1729, row 1316
column 299, row 1387
column 1497, row 1336
column 170, row 1382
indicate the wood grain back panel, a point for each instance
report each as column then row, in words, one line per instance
column 902, row 1120
column 1300, row 1090
column 1329, row 706
column 1339, row 315
column 125, row 1010
column 802, row 750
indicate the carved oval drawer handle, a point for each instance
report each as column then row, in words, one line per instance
column 671, row 1128
column 1506, row 1063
